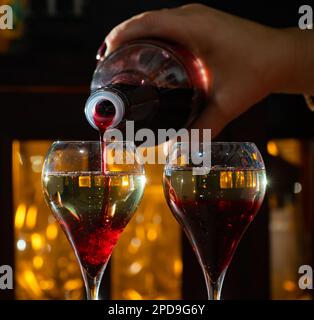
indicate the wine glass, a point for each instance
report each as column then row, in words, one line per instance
column 215, row 206
column 91, row 201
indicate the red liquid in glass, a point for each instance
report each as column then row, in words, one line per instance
column 93, row 209
column 213, row 213
column 93, row 243
column 215, row 227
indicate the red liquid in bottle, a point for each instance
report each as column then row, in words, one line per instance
column 156, row 85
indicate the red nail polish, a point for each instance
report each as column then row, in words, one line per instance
column 101, row 51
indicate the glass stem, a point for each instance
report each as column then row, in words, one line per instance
column 214, row 288
column 92, row 285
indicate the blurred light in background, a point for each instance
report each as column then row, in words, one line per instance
column 272, row 148
column 46, row 267
column 289, row 230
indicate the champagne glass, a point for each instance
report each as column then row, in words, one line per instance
column 93, row 198
column 215, row 207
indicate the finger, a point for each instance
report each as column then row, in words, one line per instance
column 153, row 24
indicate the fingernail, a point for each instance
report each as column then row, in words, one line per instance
column 101, row 51
column 108, row 50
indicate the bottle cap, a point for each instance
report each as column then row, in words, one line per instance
column 104, row 95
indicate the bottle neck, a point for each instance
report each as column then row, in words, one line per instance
column 108, row 107
column 105, row 109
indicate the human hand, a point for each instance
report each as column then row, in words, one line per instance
column 247, row 60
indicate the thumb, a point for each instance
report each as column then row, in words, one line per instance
column 211, row 118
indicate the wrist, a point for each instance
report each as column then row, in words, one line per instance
column 284, row 65
column 297, row 64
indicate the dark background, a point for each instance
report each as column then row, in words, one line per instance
column 44, row 81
